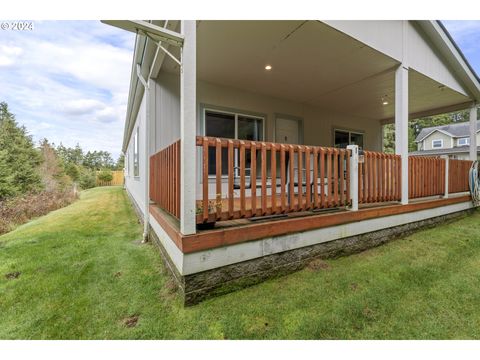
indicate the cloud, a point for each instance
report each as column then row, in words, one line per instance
column 68, row 81
column 8, row 54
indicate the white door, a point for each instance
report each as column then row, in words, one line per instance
column 286, row 131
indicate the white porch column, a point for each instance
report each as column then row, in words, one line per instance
column 473, row 132
column 188, row 99
column 354, row 176
column 401, row 125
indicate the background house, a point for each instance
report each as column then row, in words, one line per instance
column 452, row 140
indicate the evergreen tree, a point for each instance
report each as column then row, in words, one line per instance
column 18, row 157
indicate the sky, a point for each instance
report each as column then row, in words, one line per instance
column 68, row 81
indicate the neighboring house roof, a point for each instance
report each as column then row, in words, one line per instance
column 454, row 150
column 454, row 130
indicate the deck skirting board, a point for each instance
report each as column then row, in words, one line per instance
column 218, row 257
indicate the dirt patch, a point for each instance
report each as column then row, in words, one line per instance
column 131, row 321
column 118, row 274
column 318, row 264
column 13, row 275
column 354, row 286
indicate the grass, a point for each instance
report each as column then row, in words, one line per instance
column 83, row 275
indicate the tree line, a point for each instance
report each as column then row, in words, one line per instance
column 26, row 167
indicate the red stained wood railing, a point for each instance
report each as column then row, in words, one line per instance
column 426, row 176
column 379, row 178
column 265, row 178
column 165, row 179
column 458, row 172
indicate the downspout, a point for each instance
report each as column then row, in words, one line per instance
column 146, row 212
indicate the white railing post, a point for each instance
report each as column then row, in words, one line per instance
column 353, row 176
column 447, row 162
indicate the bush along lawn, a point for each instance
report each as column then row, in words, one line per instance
column 81, row 273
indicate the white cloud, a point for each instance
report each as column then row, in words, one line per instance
column 8, row 54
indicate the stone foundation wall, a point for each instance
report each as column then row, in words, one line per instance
column 197, row 287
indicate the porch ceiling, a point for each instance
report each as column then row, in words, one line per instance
column 313, row 64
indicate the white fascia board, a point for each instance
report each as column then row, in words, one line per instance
column 158, row 33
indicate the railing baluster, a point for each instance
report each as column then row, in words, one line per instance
column 264, row 178
column 315, row 178
column 301, row 204
column 335, row 177
column 273, row 175
column 218, row 174
column 253, row 178
column 205, row 179
column 322, row 177
column 282, row 178
column 308, row 195
column 291, row 179
column 242, row 179
column 230, row 179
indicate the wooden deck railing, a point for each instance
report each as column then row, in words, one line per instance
column 165, row 179
column 262, row 178
column 458, row 172
column 426, row 176
column 379, row 177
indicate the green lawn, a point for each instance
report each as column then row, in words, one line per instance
column 83, row 273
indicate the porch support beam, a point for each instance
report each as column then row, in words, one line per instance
column 473, row 132
column 188, row 83
column 401, row 126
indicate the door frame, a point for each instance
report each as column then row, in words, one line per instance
column 299, row 121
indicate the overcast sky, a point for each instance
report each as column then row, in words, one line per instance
column 68, row 80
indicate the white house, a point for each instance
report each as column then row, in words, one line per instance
column 254, row 146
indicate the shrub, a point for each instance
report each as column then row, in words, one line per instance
column 19, row 210
column 87, row 179
column 105, row 176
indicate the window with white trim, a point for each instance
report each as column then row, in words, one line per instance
column 463, row 141
column 342, row 138
column 231, row 125
column 437, row 144
column 136, row 165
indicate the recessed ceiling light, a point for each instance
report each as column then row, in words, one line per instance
column 268, row 67
column 384, row 100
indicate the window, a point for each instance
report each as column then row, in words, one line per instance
column 464, row 141
column 231, row 125
column 436, row 144
column 136, row 167
column 345, row 137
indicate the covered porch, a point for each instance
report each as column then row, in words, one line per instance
column 237, row 159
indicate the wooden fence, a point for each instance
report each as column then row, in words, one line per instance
column 458, row 172
column 165, row 179
column 379, row 177
column 426, row 176
column 118, row 178
column 265, row 178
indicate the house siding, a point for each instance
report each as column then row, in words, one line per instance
column 437, row 135
column 135, row 185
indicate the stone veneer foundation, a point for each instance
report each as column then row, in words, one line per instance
column 197, row 287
